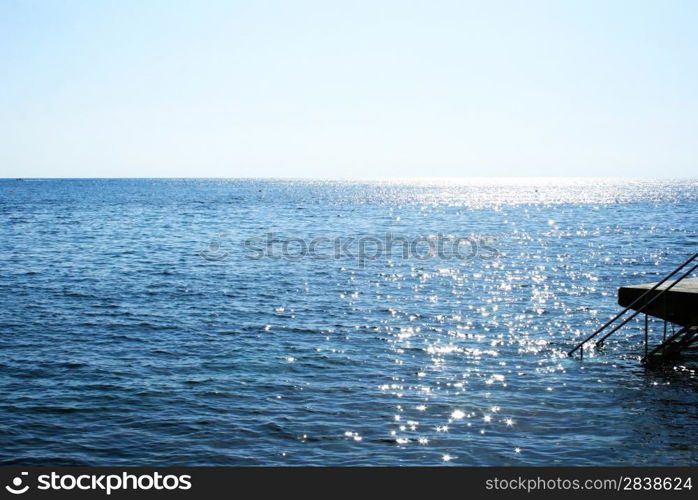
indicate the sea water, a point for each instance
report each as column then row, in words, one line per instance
column 282, row 322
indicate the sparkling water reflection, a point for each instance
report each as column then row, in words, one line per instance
column 122, row 345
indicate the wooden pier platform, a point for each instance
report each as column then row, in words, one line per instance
column 679, row 305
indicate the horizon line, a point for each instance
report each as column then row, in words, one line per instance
column 360, row 178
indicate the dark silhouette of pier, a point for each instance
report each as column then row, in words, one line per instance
column 673, row 301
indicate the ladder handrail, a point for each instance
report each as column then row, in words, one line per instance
column 660, row 294
column 637, row 300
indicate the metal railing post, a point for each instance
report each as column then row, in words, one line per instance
column 646, row 335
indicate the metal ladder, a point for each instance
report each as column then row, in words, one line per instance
column 672, row 346
column 678, row 340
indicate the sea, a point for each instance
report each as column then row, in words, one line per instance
column 416, row 322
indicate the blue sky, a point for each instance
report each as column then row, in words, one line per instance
column 348, row 89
